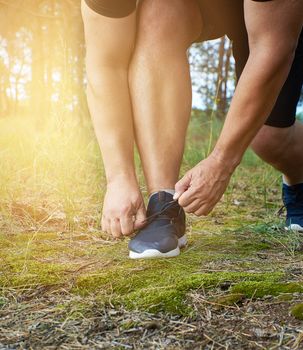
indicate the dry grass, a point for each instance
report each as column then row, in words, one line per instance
column 66, row 285
column 49, row 320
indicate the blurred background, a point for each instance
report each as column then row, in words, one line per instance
column 42, row 62
column 51, row 173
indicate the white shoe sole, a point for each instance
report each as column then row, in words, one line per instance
column 154, row 253
column 294, row 227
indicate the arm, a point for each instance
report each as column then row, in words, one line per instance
column 273, row 30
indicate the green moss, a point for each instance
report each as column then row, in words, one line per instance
column 154, row 285
column 254, row 246
column 165, row 291
column 170, row 301
column 128, row 324
column 297, row 311
column 258, row 289
column 285, row 297
column 122, row 283
column 25, row 263
column 31, row 273
column 229, row 299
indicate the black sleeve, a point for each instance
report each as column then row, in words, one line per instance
column 112, row 8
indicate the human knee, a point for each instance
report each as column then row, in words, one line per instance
column 168, row 24
column 111, row 56
column 109, row 42
column 271, row 142
column 107, row 64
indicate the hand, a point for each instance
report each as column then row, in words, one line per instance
column 203, row 186
column 123, row 208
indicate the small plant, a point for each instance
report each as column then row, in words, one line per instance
column 297, row 311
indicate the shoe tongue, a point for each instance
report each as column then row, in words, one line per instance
column 157, row 201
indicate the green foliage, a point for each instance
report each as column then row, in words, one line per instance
column 297, row 311
column 228, row 300
column 285, row 297
column 300, row 115
column 274, row 234
column 161, row 292
column 258, row 289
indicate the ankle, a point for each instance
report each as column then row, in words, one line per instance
column 291, row 181
column 168, row 190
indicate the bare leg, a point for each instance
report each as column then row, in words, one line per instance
column 161, row 86
column 109, row 44
column 282, row 148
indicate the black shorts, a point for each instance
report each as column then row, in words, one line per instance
column 227, row 17
column 112, row 8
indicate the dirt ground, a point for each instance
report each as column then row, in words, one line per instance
column 45, row 319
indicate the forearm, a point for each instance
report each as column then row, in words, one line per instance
column 254, row 99
column 110, row 107
column 273, row 30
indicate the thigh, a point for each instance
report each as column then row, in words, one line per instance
column 109, row 41
column 168, row 23
column 220, row 17
column 237, row 33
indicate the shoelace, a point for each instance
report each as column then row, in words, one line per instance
column 280, row 211
column 166, row 206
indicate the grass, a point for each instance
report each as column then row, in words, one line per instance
column 51, row 189
column 297, row 311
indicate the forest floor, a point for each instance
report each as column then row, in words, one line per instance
column 66, row 285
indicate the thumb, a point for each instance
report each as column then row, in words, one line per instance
column 182, row 185
column 140, row 218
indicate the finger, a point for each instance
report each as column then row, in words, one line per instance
column 191, row 208
column 140, row 218
column 127, row 225
column 105, row 224
column 203, row 210
column 208, row 206
column 188, row 197
column 182, row 185
column 115, row 228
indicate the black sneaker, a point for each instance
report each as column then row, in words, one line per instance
column 293, row 201
column 164, row 232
